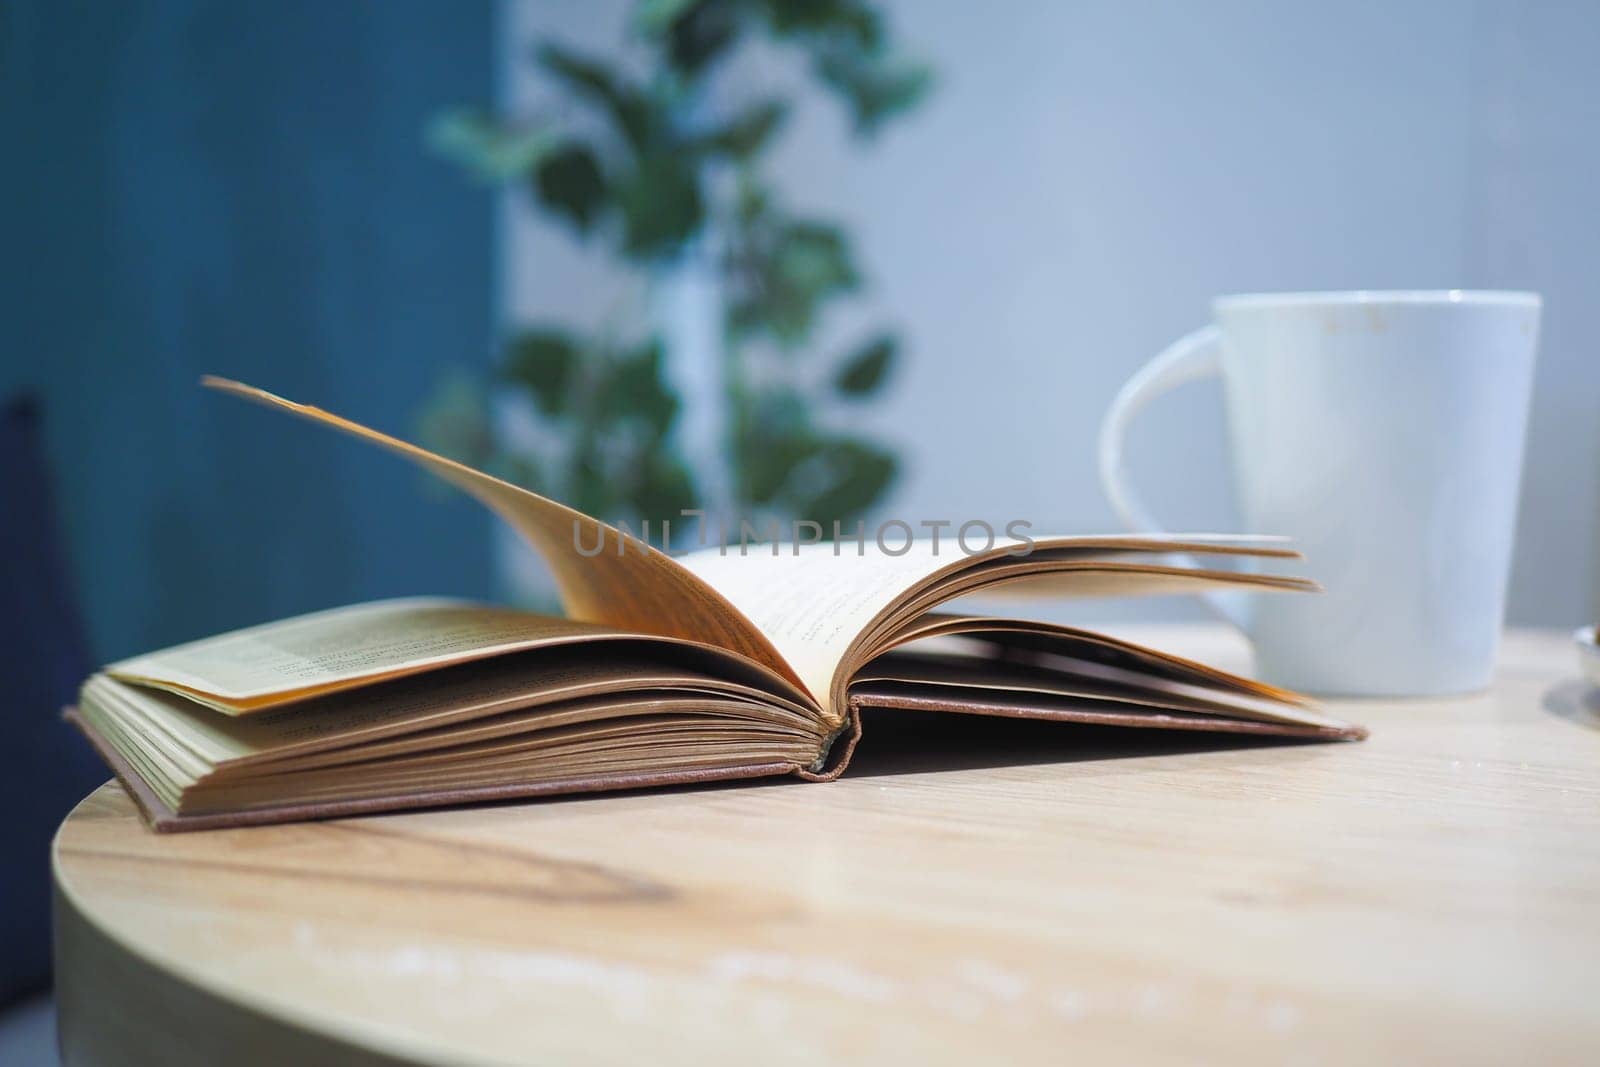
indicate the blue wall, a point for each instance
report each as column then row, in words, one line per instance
column 240, row 189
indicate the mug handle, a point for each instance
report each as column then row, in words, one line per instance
column 1192, row 358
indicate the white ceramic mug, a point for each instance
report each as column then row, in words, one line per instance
column 1383, row 432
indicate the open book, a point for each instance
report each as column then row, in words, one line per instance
column 719, row 664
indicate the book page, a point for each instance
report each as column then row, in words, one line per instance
column 638, row 589
column 298, row 658
column 814, row 605
column 419, row 711
column 821, row 605
column 1144, row 685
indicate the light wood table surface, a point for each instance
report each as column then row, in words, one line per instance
column 974, row 891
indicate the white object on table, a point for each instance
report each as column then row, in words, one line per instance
column 1383, row 432
column 1588, row 653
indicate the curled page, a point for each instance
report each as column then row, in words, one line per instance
column 634, row 588
column 828, row 609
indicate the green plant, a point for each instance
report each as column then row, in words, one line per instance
column 654, row 180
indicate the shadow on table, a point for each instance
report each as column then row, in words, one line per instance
column 916, row 742
column 1575, row 701
column 895, row 741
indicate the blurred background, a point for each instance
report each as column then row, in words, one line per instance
column 838, row 259
column 251, row 190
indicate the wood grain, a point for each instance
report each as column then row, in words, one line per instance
column 969, row 890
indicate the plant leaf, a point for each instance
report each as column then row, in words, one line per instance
column 635, row 388
column 587, row 76
column 455, row 422
column 492, row 150
column 801, row 265
column 875, row 88
column 545, row 362
column 569, row 182
column 844, row 478
column 591, row 488
column 520, row 469
column 772, row 437
column 748, row 134
column 660, row 203
column 865, row 371
column 695, row 32
column 653, row 16
column 815, row 257
column 629, row 107
column 844, row 20
column 665, row 488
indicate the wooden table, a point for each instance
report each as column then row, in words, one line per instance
column 978, row 892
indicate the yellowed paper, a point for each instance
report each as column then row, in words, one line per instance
column 638, row 589
column 422, row 706
column 826, row 608
column 330, row 650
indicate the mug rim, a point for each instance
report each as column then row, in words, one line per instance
column 1382, row 297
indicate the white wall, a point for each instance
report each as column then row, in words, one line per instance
column 1087, row 175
